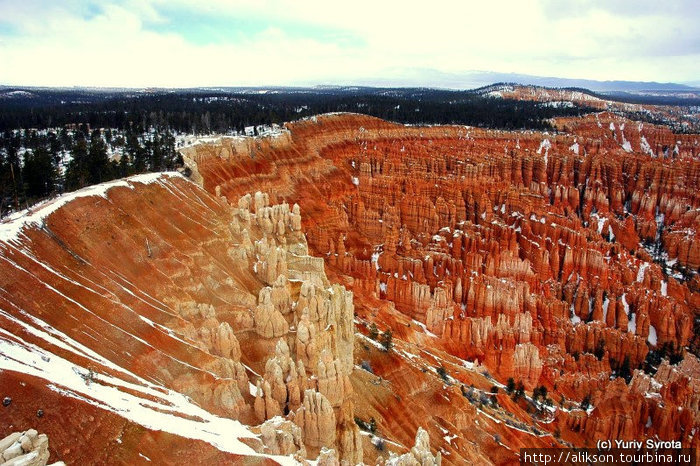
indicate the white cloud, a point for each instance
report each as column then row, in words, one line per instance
column 64, row 46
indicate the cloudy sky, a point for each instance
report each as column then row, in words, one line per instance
column 182, row 43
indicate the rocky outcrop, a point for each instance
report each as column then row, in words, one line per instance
column 282, row 437
column 316, row 419
column 282, row 386
column 27, row 448
column 420, row 454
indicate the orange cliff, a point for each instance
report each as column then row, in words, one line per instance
column 148, row 316
column 553, row 259
column 145, row 318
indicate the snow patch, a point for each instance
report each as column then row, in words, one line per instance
column 644, row 144
column 640, row 272
column 574, row 148
column 606, row 304
column 652, row 335
column 546, row 145
column 375, row 259
column 574, row 318
column 625, row 306
column 425, row 329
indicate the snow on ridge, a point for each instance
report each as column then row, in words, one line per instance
column 144, row 403
column 12, row 226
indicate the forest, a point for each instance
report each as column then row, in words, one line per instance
column 59, row 140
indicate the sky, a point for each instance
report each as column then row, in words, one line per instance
column 183, row 43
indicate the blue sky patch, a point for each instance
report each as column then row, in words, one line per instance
column 205, row 28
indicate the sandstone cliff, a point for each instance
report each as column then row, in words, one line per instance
column 555, row 260
column 333, row 289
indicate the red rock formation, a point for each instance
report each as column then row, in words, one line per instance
column 555, row 260
column 530, row 253
column 194, row 298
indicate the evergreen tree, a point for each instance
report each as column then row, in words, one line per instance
column 77, row 173
column 387, row 340
column 99, row 168
column 54, row 147
column 586, row 402
column 14, row 169
column 170, row 156
column 519, row 391
column 625, row 369
column 66, row 139
column 39, row 173
column 156, row 154
column 373, row 331
column 123, row 168
column 136, row 152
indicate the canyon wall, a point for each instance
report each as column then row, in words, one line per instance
column 348, row 288
column 185, row 306
column 558, row 260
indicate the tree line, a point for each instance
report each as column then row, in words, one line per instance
column 199, row 112
column 50, row 142
column 35, row 164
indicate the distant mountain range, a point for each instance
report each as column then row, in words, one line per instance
column 431, row 78
column 413, row 84
column 475, row 79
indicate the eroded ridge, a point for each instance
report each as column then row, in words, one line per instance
column 148, row 307
column 557, row 260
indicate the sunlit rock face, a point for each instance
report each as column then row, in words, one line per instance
column 232, row 314
column 558, row 260
column 153, row 288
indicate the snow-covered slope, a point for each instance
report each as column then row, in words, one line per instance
column 92, row 290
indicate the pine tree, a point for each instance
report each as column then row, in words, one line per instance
column 14, row 169
column 98, row 161
column 387, row 340
column 77, row 174
column 136, row 152
column 170, row 156
column 586, row 402
column 156, row 154
column 39, row 173
column 625, row 369
column 373, row 331
column 123, row 168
